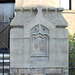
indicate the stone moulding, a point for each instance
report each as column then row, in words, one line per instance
column 57, row 21
column 35, row 8
column 39, row 40
column 48, row 70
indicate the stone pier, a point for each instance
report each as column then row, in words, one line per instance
column 38, row 40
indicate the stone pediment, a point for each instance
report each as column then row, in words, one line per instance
column 39, row 20
column 45, row 15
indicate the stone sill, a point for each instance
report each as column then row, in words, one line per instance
column 33, row 7
column 69, row 11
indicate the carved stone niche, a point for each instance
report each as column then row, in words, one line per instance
column 38, row 39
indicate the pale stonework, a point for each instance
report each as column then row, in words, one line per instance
column 73, row 5
column 54, row 3
column 39, row 23
column 69, row 15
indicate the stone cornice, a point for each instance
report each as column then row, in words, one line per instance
column 55, row 19
column 69, row 11
column 28, row 8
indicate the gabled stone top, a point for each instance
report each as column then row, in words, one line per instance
column 51, row 15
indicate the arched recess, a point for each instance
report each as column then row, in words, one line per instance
column 39, row 40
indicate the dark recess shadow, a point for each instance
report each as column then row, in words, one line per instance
column 7, row 1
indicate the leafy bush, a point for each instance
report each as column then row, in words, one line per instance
column 72, row 52
column 71, row 41
column 72, row 47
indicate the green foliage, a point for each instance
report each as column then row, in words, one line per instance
column 72, row 41
column 72, row 47
column 71, row 51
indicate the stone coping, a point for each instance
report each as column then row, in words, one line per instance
column 69, row 11
column 54, row 71
column 41, row 68
column 27, row 8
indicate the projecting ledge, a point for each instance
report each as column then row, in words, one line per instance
column 44, row 8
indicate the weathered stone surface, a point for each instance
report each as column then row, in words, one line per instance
column 52, row 15
column 17, row 33
column 54, row 3
column 58, row 51
column 61, row 33
column 39, row 39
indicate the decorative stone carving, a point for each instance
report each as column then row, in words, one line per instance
column 39, row 40
column 42, row 40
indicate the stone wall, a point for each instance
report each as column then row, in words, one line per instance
column 70, row 18
column 73, row 4
column 41, row 39
column 54, row 3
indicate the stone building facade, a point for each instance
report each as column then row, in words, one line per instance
column 68, row 13
column 70, row 17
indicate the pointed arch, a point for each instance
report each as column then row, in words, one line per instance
column 39, row 40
